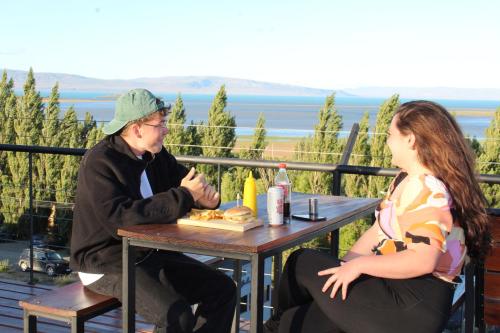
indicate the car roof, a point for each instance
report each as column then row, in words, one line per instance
column 40, row 249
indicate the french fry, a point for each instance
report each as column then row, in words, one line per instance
column 206, row 214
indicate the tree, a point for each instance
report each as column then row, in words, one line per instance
column 27, row 125
column 257, row 147
column 85, row 128
column 218, row 137
column 9, row 196
column 6, row 90
column 489, row 160
column 265, row 176
column 95, row 134
column 380, row 153
column 357, row 185
column 193, row 139
column 177, row 137
column 29, row 119
column 323, row 147
column 6, row 134
column 234, row 179
column 48, row 164
column 71, row 138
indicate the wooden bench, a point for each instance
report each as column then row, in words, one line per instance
column 73, row 304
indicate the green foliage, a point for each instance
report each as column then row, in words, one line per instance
column 27, row 116
column 48, row 164
column 70, row 137
column 475, row 145
column 219, row 137
column 193, row 137
column 177, row 136
column 323, row 147
column 85, row 129
column 28, row 121
column 357, row 185
column 62, row 280
column 233, row 180
column 488, row 162
column 4, row 265
column 256, row 149
column 232, row 183
column 7, row 104
column 380, row 153
column 95, row 134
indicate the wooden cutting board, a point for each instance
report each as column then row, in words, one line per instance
column 222, row 224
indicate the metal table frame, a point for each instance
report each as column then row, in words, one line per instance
column 256, row 261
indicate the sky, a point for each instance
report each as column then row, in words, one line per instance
column 331, row 44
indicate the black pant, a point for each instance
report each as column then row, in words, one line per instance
column 167, row 284
column 372, row 305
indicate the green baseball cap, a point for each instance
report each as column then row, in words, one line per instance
column 133, row 105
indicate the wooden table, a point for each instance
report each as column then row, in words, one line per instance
column 253, row 245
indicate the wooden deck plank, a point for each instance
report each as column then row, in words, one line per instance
column 11, row 314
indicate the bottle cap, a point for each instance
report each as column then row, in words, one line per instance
column 282, row 165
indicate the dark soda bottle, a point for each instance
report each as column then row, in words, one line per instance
column 283, row 181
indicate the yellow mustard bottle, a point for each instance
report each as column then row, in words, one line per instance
column 250, row 194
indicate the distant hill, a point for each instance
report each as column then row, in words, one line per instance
column 211, row 84
column 427, row 93
column 168, row 84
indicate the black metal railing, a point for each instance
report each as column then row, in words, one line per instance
column 337, row 171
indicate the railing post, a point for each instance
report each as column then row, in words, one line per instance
column 30, row 171
column 337, row 182
column 219, row 179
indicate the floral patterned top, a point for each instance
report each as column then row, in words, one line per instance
column 421, row 213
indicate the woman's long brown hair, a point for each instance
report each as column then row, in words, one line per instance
column 443, row 149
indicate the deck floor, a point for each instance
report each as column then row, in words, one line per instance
column 11, row 314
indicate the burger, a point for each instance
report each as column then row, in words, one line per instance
column 239, row 214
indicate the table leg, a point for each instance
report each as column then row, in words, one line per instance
column 29, row 322
column 237, row 280
column 128, row 287
column 277, row 264
column 257, row 294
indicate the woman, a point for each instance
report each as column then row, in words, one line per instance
column 401, row 274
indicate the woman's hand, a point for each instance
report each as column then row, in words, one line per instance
column 342, row 276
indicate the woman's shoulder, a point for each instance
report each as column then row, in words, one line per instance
column 426, row 182
column 424, row 190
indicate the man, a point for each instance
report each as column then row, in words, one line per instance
column 129, row 178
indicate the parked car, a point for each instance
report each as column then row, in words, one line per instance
column 44, row 260
column 40, row 241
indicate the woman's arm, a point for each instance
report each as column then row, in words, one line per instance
column 364, row 245
column 421, row 259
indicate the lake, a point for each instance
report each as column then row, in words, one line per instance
column 285, row 115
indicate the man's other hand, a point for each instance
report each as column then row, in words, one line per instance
column 210, row 198
column 195, row 184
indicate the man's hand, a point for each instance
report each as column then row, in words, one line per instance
column 195, row 184
column 210, row 198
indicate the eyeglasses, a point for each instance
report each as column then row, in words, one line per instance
column 161, row 125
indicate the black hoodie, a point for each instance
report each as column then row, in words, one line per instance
column 108, row 197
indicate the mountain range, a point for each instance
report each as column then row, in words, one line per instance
column 234, row 86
